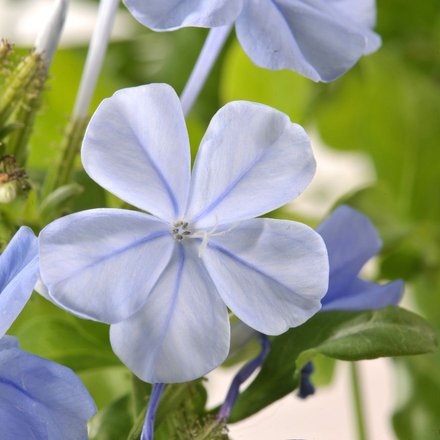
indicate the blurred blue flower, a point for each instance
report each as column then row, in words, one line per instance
column 164, row 281
column 320, row 39
column 18, row 275
column 40, row 399
column 351, row 241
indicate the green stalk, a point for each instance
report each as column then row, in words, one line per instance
column 140, row 392
column 17, row 84
column 70, row 147
column 18, row 140
column 358, row 402
column 5, row 50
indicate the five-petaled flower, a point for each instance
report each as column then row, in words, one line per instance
column 164, row 281
column 320, row 39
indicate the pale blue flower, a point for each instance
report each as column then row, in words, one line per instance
column 320, row 39
column 351, row 241
column 164, row 281
column 18, row 275
column 39, row 399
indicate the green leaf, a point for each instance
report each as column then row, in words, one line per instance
column 107, row 383
column 418, row 415
column 285, row 90
column 113, row 422
column 340, row 335
column 50, row 332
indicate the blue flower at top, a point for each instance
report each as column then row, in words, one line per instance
column 164, row 281
column 351, row 240
column 320, row 39
column 18, row 275
column 39, row 399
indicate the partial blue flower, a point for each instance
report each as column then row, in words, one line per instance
column 306, row 387
column 320, row 39
column 351, row 241
column 40, row 399
column 164, row 281
column 18, row 275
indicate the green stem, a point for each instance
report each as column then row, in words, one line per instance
column 140, row 392
column 70, row 147
column 358, row 403
column 16, row 85
column 18, row 141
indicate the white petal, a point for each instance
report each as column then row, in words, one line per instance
column 310, row 37
column 102, row 263
column 270, row 273
column 136, row 146
column 252, row 160
column 182, row 332
column 174, row 14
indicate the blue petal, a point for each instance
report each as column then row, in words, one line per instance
column 136, row 146
column 173, row 14
column 364, row 13
column 270, row 273
column 252, row 160
column 351, row 240
column 362, row 295
column 18, row 275
column 40, row 399
column 182, row 332
column 102, row 263
column 311, row 37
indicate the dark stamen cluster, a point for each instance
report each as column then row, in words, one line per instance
column 180, row 230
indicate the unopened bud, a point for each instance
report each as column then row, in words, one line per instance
column 48, row 38
column 8, row 192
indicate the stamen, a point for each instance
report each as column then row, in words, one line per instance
column 179, row 230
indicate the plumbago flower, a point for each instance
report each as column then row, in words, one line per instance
column 18, row 275
column 351, row 241
column 320, row 39
column 164, row 281
column 39, row 399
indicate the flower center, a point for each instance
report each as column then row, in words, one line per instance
column 180, row 230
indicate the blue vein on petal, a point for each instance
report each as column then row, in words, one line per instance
column 151, row 237
column 160, row 174
column 253, row 267
column 156, row 168
column 173, row 304
column 15, row 386
column 219, row 199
